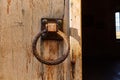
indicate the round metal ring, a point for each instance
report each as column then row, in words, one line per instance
column 52, row 62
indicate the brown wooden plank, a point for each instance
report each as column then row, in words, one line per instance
column 50, row 49
column 15, row 40
column 76, row 39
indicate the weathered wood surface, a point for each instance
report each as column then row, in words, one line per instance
column 76, row 39
column 19, row 23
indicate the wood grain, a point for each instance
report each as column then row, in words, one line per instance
column 76, row 39
column 20, row 22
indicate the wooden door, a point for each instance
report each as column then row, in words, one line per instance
column 20, row 22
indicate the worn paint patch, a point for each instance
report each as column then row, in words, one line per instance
column 8, row 6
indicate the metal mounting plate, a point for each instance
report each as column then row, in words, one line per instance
column 51, row 35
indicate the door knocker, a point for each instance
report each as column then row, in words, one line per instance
column 51, row 29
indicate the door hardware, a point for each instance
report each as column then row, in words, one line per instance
column 51, row 29
column 52, row 25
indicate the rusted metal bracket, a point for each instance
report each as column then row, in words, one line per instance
column 52, row 25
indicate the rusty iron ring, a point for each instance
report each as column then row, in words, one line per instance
column 52, row 62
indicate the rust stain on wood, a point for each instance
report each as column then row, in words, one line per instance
column 73, row 63
column 8, row 6
column 29, row 55
column 28, row 58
